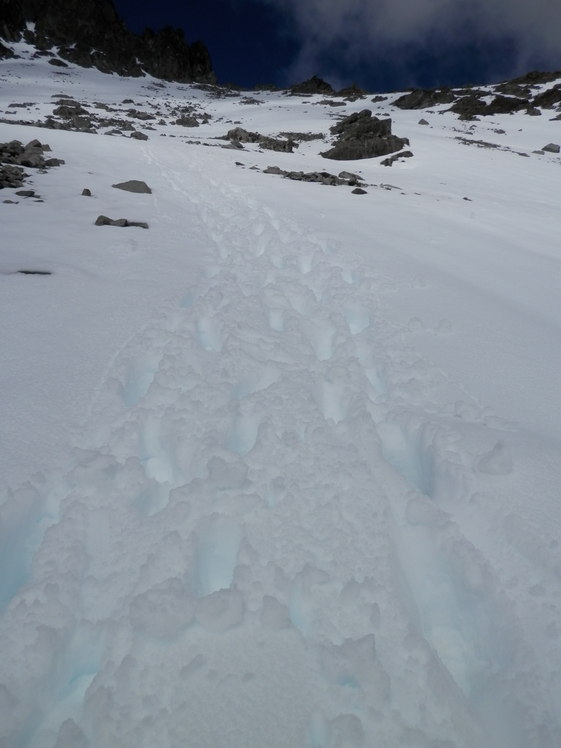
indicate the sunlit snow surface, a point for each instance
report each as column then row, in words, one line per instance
column 282, row 470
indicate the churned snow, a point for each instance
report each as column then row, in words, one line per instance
column 283, row 469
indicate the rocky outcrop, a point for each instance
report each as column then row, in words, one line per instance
column 549, row 98
column 474, row 106
column 509, row 96
column 363, row 136
column 320, row 177
column 238, row 135
column 424, row 98
column 90, row 33
column 14, row 155
column 314, row 85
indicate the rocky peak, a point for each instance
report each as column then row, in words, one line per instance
column 92, row 34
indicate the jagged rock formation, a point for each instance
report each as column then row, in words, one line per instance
column 363, row 136
column 509, row 96
column 422, row 98
column 90, row 33
column 314, row 85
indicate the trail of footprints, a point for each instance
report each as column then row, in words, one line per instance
column 264, row 476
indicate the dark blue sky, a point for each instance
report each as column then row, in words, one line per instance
column 285, row 41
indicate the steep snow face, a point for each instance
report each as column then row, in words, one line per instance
column 282, row 469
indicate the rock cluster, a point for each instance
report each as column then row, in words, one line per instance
column 321, row 177
column 510, row 96
column 238, row 135
column 363, row 136
column 14, row 155
column 90, row 33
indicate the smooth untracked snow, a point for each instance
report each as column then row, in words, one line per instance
column 282, row 470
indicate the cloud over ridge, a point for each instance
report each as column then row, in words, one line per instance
column 359, row 29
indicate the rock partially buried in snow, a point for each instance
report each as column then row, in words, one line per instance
column 123, row 222
column 137, row 135
column 133, row 185
column 552, row 148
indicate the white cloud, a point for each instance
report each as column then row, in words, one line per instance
column 361, row 28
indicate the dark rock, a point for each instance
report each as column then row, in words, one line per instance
column 534, row 112
column 352, row 93
column 121, row 222
column 424, row 98
column 34, row 272
column 187, row 122
column 242, row 136
column 238, row 135
column 469, row 106
column 58, row 63
column 136, row 114
column 11, row 176
column 133, row 185
column 314, row 85
column 69, row 109
column 423, row 122
column 363, row 136
column 26, row 193
column 86, row 192
column 5, row 53
column 54, row 162
column 321, row 177
column 513, row 89
column 548, row 99
column 302, row 136
column 378, row 99
column 275, row 144
column 12, row 21
column 391, row 161
column 537, row 77
column 349, row 177
column 551, row 148
column 359, row 191
column 90, row 33
column 472, row 105
column 138, row 135
column 506, row 105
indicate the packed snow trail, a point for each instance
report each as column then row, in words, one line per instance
column 256, row 544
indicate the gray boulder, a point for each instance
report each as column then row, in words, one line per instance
column 122, row 222
column 133, row 185
column 137, row 135
column 552, row 148
column 363, row 136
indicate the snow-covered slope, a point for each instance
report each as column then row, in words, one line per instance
column 283, row 469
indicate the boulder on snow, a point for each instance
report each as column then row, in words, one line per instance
column 363, row 136
column 552, row 148
column 122, row 222
column 133, row 185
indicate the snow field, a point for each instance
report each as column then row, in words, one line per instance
column 283, row 524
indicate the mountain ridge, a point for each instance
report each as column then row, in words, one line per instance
column 92, row 34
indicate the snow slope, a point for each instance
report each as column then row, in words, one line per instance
column 283, row 469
